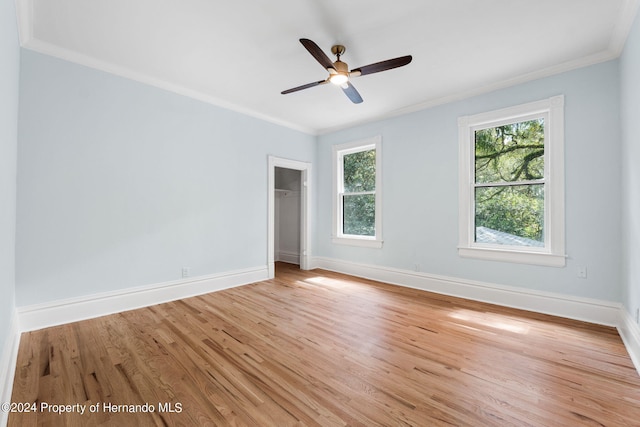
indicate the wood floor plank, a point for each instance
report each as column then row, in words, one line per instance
column 325, row 349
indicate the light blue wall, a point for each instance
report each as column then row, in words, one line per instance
column 420, row 188
column 121, row 184
column 630, row 94
column 9, row 84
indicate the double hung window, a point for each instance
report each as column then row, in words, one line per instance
column 512, row 184
column 357, row 193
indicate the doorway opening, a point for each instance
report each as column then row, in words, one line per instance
column 288, row 183
column 289, row 213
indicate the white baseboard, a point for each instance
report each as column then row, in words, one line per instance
column 630, row 333
column 8, row 360
column 585, row 309
column 40, row 316
column 289, row 257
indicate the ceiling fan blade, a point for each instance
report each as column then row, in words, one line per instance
column 317, row 53
column 352, row 93
column 307, row 86
column 381, row 66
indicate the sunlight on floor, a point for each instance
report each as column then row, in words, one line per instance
column 490, row 320
column 334, row 283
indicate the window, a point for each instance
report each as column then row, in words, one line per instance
column 512, row 184
column 357, row 193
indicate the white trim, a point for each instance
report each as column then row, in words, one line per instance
column 8, row 360
column 289, row 257
column 40, row 316
column 571, row 307
column 585, row 309
column 306, row 194
column 594, row 59
column 626, row 17
column 553, row 253
column 337, row 153
column 24, row 12
column 496, row 254
column 127, row 73
column 617, row 42
column 629, row 331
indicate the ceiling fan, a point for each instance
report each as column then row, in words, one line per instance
column 339, row 73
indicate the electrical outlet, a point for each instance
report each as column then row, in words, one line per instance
column 185, row 271
column 582, row 272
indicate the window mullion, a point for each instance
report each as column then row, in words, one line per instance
column 509, row 183
column 359, row 193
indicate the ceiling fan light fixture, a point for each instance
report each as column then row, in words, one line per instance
column 341, row 75
column 339, row 79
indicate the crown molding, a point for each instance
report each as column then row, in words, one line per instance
column 24, row 8
column 604, row 56
column 49, row 49
column 24, row 15
column 626, row 18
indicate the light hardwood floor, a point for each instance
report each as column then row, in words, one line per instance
column 320, row 348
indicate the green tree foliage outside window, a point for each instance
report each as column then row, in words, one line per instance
column 358, row 198
column 509, row 174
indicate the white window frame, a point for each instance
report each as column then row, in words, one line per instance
column 338, row 153
column 553, row 252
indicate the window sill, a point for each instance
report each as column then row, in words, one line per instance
column 533, row 258
column 365, row 243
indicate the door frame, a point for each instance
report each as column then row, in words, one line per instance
column 305, row 210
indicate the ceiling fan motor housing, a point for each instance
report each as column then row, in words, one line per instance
column 341, row 67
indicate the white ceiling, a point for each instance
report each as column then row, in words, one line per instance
column 242, row 54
